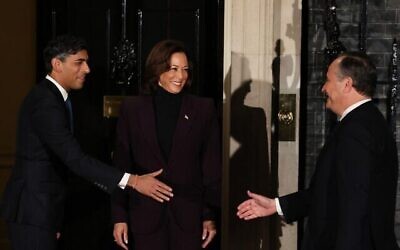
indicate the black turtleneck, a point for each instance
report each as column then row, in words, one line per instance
column 167, row 107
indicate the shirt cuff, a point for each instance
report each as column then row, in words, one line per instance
column 124, row 181
column 278, row 207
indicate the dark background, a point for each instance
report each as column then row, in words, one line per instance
column 197, row 23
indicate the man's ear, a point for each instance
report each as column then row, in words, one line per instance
column 56, row 64
column 348, row 85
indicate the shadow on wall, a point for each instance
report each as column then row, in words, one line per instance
column 249, row 165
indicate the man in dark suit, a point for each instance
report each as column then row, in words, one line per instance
column 33, row 201
column 351, row 200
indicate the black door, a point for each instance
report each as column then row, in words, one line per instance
column 198, row 23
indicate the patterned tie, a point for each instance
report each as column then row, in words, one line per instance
column 70, row 116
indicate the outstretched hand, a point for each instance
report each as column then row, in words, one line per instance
column 257, row 206
column 149, row 185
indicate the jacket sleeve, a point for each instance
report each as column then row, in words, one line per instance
column 49, row 121
column 123, row 161
column 211, row 165
column 295, row 206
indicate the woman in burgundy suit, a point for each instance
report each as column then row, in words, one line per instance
column 178, row 133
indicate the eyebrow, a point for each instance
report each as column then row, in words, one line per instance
column 81, row 59
column 186, row 66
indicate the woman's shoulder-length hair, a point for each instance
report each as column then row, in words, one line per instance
column 158, row 62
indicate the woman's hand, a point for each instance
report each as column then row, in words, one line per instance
column 209, row 232
column 148, row 185
column 121, row 234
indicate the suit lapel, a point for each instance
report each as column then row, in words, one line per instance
column 59, row 96
column 148, row 127
column 54, row 90
column 186, row 118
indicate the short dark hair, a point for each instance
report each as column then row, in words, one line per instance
column 359, row 67
column 158, row 62
column 61, row 47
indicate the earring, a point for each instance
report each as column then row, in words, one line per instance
column 159, row 84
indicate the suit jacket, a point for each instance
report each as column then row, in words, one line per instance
column 46, row 150
column 351, row 199
column 193, row 169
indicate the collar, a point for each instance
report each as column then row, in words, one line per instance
column 63, row 92
column 352, row 107
column 160, row 91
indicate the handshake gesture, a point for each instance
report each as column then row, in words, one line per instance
column 256, row 206
column 148, row 185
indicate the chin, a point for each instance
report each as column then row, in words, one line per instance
column 78, row 86
column 175, row 91
column 327, row 104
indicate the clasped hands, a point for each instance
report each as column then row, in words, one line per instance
column 148, row 185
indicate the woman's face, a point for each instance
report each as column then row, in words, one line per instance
column 175, row 78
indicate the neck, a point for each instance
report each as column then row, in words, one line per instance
column 58, row 80
column 353, row 101
column 356, row 99
column 162, row 91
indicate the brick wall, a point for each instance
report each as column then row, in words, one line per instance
column 382, row 26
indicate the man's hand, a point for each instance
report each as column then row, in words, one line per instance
column 209, row 232
column 148, row 185
column 257, row 206
column 121, row 234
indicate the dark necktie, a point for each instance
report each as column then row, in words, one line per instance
column 70, row 116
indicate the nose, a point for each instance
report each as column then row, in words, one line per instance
column 179, row 74
column 86, row 68
column 322, row 88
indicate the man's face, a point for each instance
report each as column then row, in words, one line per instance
column 334, row 88
column 72, row 71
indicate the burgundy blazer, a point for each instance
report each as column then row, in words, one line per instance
column 193, row 169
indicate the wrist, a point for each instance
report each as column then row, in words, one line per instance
column 135, row 181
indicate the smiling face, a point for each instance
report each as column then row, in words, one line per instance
column 334, row 88
column 71, row 72
column 174, row 79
